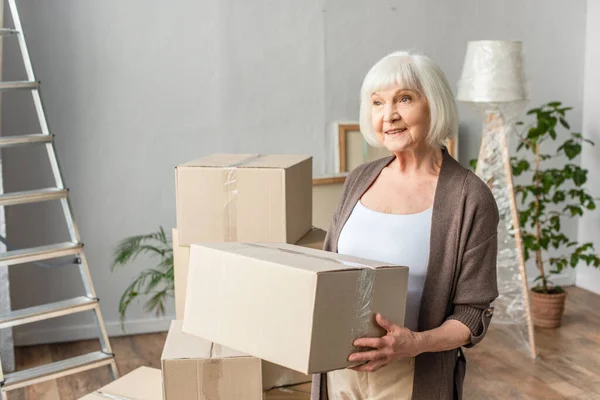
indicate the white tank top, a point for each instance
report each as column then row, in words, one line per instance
column 400, row 239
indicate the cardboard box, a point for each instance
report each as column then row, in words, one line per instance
column 244, row 197
column 181, row 257
column 141, row 384
column 196, row 369
column 313, row 239
column 188, row 361
column 294, row 306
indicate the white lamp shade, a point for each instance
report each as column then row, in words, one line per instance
column 493, row 72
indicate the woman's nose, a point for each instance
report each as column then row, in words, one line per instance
column 391, row 115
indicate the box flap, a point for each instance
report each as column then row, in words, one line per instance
column 141, row 384
column 180, row 345
column 248, row 160
column 293, row 256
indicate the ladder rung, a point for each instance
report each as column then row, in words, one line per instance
column 32, row 196
column 20, row 85
column 40, row 253
column 8, row 31
column 21, row 140
column 55, row 370
column 47, row 311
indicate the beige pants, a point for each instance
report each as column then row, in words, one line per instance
column 394, row 381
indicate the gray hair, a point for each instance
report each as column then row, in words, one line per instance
column 418, row 73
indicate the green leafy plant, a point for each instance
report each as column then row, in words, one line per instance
column 553, row 193
column 156, row 282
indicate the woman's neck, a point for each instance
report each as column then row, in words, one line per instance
column 421, row 160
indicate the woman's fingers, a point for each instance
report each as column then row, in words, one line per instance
column 385, row 323
column 369, row 342
column 371, row 366
column 366, row 355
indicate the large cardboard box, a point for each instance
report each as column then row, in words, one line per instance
column 294, row 306
column 181, row 257
column 194, row 368
column 141, row 384
column 244, row 197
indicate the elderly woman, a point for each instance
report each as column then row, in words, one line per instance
column 420, row 208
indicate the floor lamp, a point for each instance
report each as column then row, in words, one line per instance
column 493, row 81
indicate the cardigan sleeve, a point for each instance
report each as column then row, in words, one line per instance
column 476, row 289
column 476, row 286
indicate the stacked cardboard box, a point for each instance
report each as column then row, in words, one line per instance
column 293, row 306
column 236, row 198
column 244, row 198
column 193, row 367
column 181, row 258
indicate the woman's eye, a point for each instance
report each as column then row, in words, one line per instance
column 405, row 99
column 376, row 103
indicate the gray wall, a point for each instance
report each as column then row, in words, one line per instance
column 589, row 226
column 134, row 88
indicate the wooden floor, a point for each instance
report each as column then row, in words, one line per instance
column 568, row 366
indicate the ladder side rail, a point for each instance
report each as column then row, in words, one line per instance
column 56, row 170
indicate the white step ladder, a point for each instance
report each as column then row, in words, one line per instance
column 88, row 302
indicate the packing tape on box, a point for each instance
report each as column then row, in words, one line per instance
column 212, row 372
column 231, row 190
column 365, row 283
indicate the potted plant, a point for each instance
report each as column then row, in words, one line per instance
column 156, row 282
column 552, row 194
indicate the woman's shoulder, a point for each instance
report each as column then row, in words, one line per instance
column 480, row 204
column 476, row 195
column 477, row 191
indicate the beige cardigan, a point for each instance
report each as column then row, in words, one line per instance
column 461, row 275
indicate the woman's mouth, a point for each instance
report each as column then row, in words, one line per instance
column 395, row 131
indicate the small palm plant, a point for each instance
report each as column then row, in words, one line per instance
column 157, row 282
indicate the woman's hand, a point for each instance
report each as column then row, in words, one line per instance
column 399, row 343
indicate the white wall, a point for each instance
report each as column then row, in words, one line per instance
column 589, row 227
column 134, row 88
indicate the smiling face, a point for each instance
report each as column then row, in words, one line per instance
column 400, row 118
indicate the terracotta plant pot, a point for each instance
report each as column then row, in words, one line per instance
column 547, row 309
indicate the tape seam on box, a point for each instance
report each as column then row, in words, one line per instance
column 230, row 187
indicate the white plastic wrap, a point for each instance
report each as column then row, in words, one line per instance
column 493, row 72
column 493, row 81
column 362, row 308
column 511, row 308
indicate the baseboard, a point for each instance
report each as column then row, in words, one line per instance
column 84, row 332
